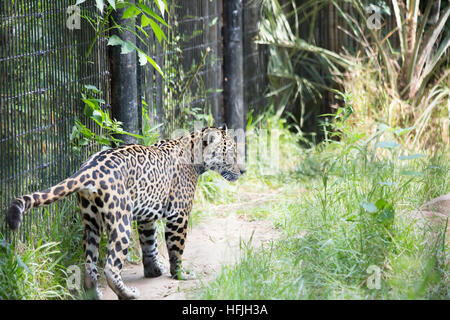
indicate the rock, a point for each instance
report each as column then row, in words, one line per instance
column 433, row 216
column 440, row 205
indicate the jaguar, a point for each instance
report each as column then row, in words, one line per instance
column 117, row 186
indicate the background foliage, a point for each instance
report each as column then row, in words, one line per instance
column 397, row 75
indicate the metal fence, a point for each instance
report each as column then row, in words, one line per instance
column 255, row 60
column 43, row 68
column 42, row 72
column 192, row 64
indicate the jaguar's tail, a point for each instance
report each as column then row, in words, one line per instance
column 38, row 199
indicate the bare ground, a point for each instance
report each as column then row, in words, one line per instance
column 210, row 244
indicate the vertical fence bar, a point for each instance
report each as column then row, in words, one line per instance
column 233, row 64
column 255, row 60
column 124, row 94
column 159, row 88
column 213, row 76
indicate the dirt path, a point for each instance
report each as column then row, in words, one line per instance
column 209, row 245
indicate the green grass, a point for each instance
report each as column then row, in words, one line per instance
column 37, row 268
column 342, row 210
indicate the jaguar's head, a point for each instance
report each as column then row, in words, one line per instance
column 221, row 154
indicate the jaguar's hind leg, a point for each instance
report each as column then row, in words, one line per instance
column 91, row 242
column 118, row 228
column 149, row 246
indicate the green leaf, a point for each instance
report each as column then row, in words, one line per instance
column 131, row 12
column 122, row 4
column 92, row 104
column 348, row 112
column 112, row 3
column 387, row 214
column 98, row 100
column 22, row 265
column 127, row 47
column 385, row 211
column 100, row 5
column 141, row 29
column 74, row 134
column 98, row 117
column 402, row 131
column 83, row 130
column 387, row 144
column 114, row 41
column 144, row 58
column 150, row 12
column 213, row 21
column 410, row 173
column 411, row 157
column 369, row 207
column 387, row 183
column 162, row 5
column 145, row 21
column 157, row 30
column 381, row 203
column 383, row 127
column 91, row 87
column 103, row 140
column 88, row 110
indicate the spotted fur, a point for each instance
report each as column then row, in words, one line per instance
column 135, row 182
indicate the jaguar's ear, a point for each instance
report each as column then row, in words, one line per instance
column 223, row 127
